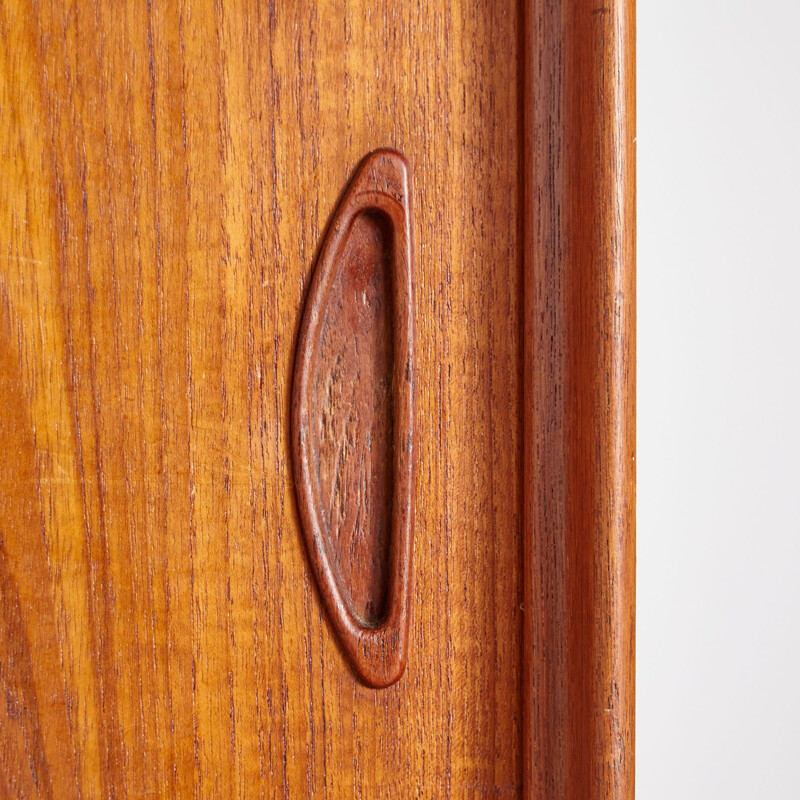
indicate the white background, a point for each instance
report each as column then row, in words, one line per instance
column 718, row 630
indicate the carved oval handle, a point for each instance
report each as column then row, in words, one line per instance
column 353, row 416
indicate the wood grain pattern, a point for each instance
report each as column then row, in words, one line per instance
column 579, row 410
column 167, row 172
column 353, row 418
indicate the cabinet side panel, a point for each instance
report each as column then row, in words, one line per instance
column 579, row 395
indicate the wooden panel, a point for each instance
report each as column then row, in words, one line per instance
column 167, row 173
column 579, row 410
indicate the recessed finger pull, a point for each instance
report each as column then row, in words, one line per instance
column 353, row 419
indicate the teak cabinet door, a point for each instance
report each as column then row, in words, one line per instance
column 169, row 173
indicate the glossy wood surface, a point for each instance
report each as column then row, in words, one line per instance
column 168, row 170
column 353, row 418
column 579, row 409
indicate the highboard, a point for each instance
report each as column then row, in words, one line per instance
column 317, row 367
